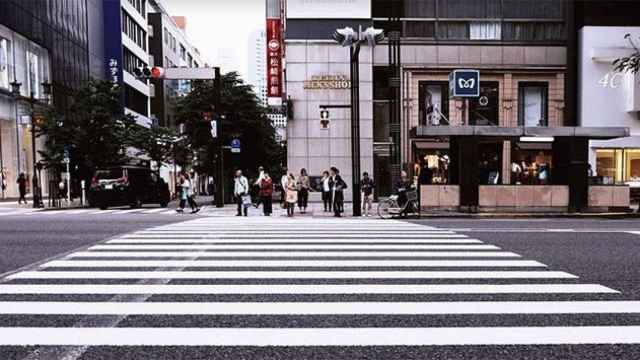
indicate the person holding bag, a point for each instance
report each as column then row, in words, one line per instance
column 241, row 193
column 266, row 194
column 292, row 194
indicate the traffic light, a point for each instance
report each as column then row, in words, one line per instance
column 145, row 72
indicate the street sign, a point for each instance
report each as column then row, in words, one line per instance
column 464, row 83
column 235, row 146
column 324, row 119
column 214, row 129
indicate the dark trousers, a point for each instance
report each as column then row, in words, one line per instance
column 241, row 207
column 338, row 203
column 267, row 205
column 182, row 203
column 192, row 203
column 291, row 207
column 327, row 200
column 303, row 198
column 22, row 198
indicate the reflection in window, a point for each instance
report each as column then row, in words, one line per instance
column 490, row 163
column 32, row 74
column 484, row 110
column 532, row 104
column 531, row 164
column 434, row 102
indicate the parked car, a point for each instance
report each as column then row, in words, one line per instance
column 128, row 185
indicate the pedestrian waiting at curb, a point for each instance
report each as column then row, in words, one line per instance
column 257, row 186
column 190, row 194
column 304, row 186
column 292, row 194
column 338, row 192
column 283, row 189
column 367, row 185
column 266, row 194
column 182, row 194
column 241, row 193
column 327, row 198
column 22, row 188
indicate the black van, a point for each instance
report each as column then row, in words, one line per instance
column 128, row 185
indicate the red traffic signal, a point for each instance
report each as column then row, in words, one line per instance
column 157, row 72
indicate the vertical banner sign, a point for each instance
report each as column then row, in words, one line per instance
column 113, row 58
column 274, row 58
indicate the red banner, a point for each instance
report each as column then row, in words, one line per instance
column 274, row 58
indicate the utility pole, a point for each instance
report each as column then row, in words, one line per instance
column 217, row 88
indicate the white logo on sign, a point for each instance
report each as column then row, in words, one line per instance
column 466, row 84
column 274, row 45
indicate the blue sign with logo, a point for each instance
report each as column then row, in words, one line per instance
column 235, row 145
column 113, row 58
column 464, row 83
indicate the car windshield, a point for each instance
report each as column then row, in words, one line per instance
column 111, row 174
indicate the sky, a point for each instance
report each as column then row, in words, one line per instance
column 214, row 25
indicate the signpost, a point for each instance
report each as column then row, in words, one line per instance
column 235, row 146
column 66, row 159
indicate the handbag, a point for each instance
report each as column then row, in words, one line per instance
column 246, row 200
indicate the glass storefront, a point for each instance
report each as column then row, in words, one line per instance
column 531, row 164
column 618, row 166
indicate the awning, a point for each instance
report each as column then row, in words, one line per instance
column 603, row 133
column 426, row 145
column 631, row 142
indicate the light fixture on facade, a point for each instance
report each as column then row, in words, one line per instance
column 538, row 139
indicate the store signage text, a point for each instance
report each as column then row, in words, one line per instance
column 274, row 58
column 327, row 82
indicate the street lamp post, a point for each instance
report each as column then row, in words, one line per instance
column 15, row 90
column 348, row 37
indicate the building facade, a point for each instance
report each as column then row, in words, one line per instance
column 40, row 42
column 514, row 146
column 257, row 64
column 169, row 47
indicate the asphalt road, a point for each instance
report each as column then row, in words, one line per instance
column 599, row 252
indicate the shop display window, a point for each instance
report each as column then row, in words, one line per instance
column 532, row 104
column 617, row 166
column 432, row 167
column 531, row 166
column 490, row 166
column 434, row 102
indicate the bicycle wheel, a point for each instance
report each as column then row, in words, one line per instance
column 385, row 209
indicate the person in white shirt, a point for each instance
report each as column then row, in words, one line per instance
column 240, row 190
column 257, row 184
column 284, row 180
column 327, row 197
column 190, row 194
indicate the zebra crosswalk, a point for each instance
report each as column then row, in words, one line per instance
column 305, row 282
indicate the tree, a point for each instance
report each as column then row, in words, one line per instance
column 93, row 128
column 242, row 117
column 629, row 63
column 156, row 142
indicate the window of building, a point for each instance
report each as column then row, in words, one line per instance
column 486, row 30
column 189, row 60
column 166, row 36
column 538, row 9
column 4, row 63
column 33, row 81
column 183, row 52
column 458, row 30
column 531, row 164
column 434, row 102
column 423, row 29
column 618, row 166
column 131, row 61
column 490, row 166
column 140, row 6
column 533, row 104
column 134, row 31
column 534, row 31
column 485, row 110
column 475, row 9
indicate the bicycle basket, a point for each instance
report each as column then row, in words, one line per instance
column 412, row 195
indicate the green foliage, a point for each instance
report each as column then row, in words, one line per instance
column 629, row 63
column 156, row 142
column 93, row 128
column 243, row 117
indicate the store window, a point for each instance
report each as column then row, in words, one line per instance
column 532, row 104
column 432, row 166
column 531, row 164
column 434, row 103
column 484, row 110
column 490, row 167
column 617, row 166
column 4, row 63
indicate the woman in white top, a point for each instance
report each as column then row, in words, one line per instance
column 190, row 194
column 327, row 197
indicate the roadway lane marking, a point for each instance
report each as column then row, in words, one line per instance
column 103, row 212
column 315, row 289
column 309, row 242
column 120, row 212
column 318, row 308
column 153, row 211
column 292, row 275
column 545, row 335
column 290, row 247
column 290, row 263
column 262, row 235
column 286, row 254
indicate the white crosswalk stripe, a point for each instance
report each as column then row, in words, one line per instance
column 305, row 271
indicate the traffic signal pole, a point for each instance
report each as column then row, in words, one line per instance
column 217, row 88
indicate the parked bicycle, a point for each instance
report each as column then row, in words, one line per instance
column 390, row 207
